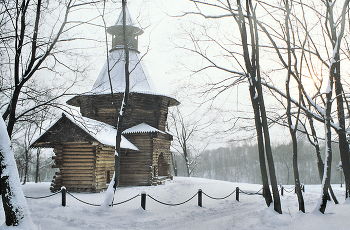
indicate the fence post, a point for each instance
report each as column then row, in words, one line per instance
column 282, row 190
column 237, row 193
column 303, row 187
column 143, row 200
column 63, row 191
column 200, row 197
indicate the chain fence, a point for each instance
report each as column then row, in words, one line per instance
column 143, row 195
column 291, row 190
column 42, row 197
column 172, row 204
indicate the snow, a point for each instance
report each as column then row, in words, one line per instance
column 139, row 79
column 142, row 128
column 249, row 213
column 102, row 132
column 9, row 170
column 109, row 194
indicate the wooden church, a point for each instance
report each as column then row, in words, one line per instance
column 84, row 146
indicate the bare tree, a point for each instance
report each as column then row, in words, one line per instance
column 189, row 141
column 250, row 73
column 334, row 76
column 121, row 112
column 29, row 49
column 13, row 200
column 293, row 127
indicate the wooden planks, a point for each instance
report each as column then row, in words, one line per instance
column 151, row 109
column 76, row 163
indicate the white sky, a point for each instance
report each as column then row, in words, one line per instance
column 165, row 61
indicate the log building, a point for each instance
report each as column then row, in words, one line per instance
column 84, row 146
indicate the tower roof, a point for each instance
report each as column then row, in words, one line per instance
column 129, row 23
column 139, row 79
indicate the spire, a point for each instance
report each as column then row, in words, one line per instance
column 132, row 32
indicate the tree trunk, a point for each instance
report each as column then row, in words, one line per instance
column 334, row 74
column 343, row 144
column 252, row 89
column 184, row 149
column 292, row 129
column 26, row 165
column 13, row 200
column 328, row 141
column 124, row 103
column 260, row 139
column 115, row 181
column 271, row 165
column 37, row 165
column 320, row 164
column 328, row 157
column 258, row 106
column 174, row 164
column 296, row 175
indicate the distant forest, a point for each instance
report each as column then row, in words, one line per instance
column 240, row 163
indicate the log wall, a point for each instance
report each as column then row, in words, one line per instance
column 104, row 167
column 150, row 109
column 76, row 163
column 161, row 157
column 135, row 166
column 84, row 166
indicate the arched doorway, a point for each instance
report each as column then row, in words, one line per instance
column 162, row 166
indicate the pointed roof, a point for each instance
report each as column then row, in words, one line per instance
column 128, row 20
column 129, row 23
column 140, row 82
column 75, row 129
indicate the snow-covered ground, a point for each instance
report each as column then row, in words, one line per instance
column 249, row 213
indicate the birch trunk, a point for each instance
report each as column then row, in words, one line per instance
column 14, row 203
column 334, row 74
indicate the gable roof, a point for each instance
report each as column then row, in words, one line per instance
column 75, row 129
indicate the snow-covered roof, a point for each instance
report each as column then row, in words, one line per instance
column 139, row 79
column 142, row 128
column 102, row 132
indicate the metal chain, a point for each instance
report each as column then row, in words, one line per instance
column 219, row 198
column 82, row 200
column 42, row 197
column 171, row 204
column 126, row 200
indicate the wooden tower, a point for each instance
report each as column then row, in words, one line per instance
column 145, row 155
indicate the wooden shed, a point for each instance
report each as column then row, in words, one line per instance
column 84, row 152
column 84, row 146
